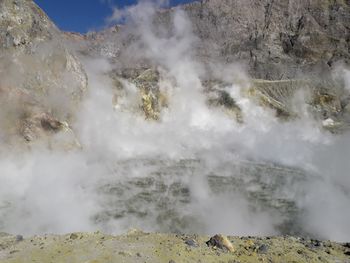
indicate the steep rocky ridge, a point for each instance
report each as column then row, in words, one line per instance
column 41, row 81
column 277, row 39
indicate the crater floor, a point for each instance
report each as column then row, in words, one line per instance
column 137, row 246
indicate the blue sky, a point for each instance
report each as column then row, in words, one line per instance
column 84, row 15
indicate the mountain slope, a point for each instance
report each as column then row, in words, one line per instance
column 275, row 39
column 41, row 81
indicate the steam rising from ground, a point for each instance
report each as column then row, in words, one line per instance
column 44, row 191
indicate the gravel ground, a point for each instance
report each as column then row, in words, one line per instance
column 137, row 246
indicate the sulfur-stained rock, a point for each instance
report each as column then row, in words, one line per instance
column 324, row 99
column 278, row 94
column 326, row 103
column 147, row 83
column 151, row 100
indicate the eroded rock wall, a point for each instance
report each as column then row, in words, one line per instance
column 40, row 79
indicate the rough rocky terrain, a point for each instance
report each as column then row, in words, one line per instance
column 275, row 39
column 137, row 246
column 38, row 74
column 280, row 39
column 285, row 45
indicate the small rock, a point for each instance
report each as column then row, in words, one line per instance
column 73, row 236
column 221, row 242
column 262, row 249
column 134, row 231
column 316, row 243
column 191, row 242
column 125, row 253
column 19, row 238
column 172, row 261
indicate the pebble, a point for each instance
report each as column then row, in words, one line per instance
column 125, row 253
column 314, row 244
column 191, row 243
column 262, row 249
column 73, row 236
column 19, row 238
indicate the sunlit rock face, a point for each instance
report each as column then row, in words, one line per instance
column 301, row 41
column 40, row 79
column 276, row 39
column 40, row 76
column 23, row 25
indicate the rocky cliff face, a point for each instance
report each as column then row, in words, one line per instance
column 276, row 39
column 41, row 81
column 23, row 25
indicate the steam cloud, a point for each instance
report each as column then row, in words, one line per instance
column 43, row 191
